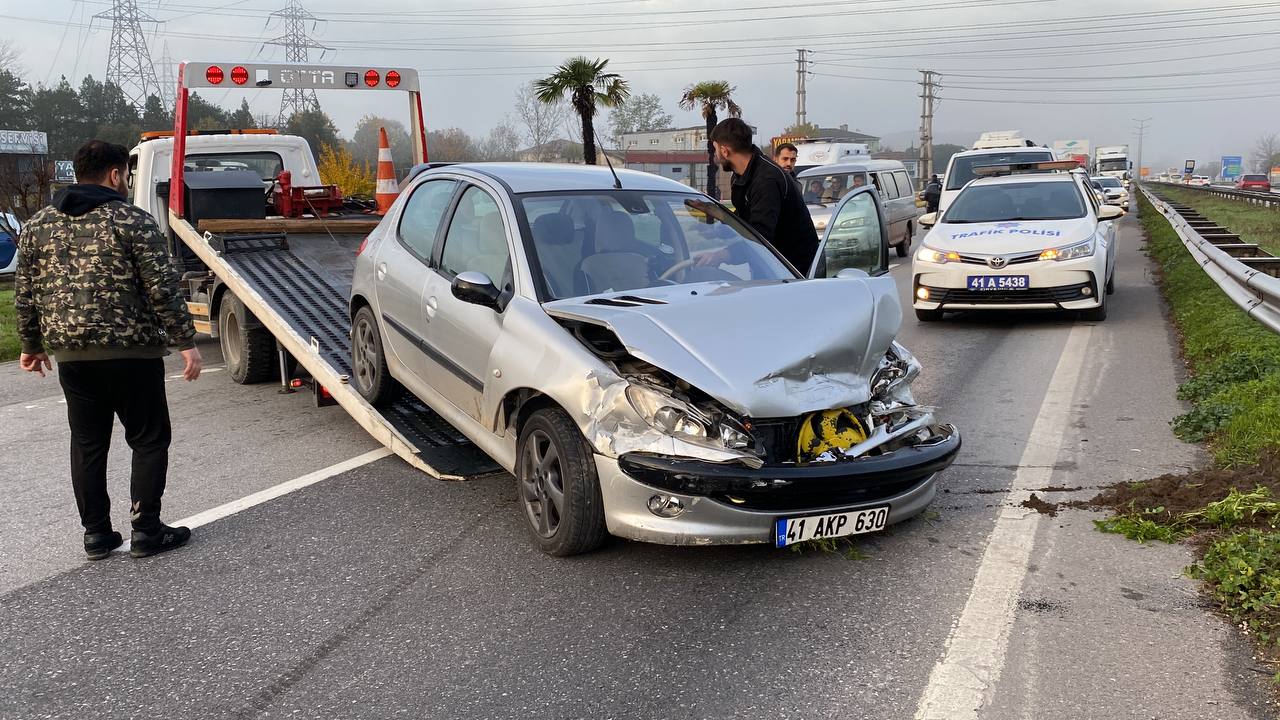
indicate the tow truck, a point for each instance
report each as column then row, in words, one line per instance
column 266, row 251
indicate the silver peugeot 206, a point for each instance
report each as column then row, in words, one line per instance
column 644, row 363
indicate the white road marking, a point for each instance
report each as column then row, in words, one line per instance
column 962, row 682
column 275, row 491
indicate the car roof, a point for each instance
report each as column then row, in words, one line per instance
column 1021, row 178
column 555, row 177
column 869, row 165
column 1001, row 151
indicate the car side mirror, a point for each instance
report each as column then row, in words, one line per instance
column 851, row 272
column 928, row 219
column 476, row 288
column 1110, row 212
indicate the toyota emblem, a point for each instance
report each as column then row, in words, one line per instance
column 997, row 262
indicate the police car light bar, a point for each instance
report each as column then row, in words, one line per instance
column 1024, row 168
column 286, row 76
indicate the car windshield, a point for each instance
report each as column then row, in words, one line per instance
column 828, row 188
column 1117, row 164
column 592, row 242
column 961, row 170
column 1016, row 201
column 1109, row 182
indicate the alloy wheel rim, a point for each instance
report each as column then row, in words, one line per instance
column 542, row 484
column 364, row 353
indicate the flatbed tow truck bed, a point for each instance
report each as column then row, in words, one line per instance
column 303, row 280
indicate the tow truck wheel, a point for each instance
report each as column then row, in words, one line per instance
column 558, row 487
column 369, row 362
column 249, row 352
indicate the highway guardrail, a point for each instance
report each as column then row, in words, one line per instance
column 1249, row 275
column 1256, row 197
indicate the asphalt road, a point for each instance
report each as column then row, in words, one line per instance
column 378, row 592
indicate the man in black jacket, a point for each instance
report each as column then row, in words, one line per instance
column 932, row 194
column 764, row 196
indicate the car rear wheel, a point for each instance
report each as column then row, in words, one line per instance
column 928, row 315
column 904, row 247
column 557, row 485
column 249, row 352
column 369, row 361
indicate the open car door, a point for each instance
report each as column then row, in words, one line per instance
column 857, row 238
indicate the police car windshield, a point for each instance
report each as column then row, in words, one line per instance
column 961, row 171
column 1016, row 201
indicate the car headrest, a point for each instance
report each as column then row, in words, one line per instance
column 615, row 232
column 553, row 229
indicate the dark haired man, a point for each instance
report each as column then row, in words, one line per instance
column 95, row 289
column 764, row 195
column 786, row 155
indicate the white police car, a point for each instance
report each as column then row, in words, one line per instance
column 1018, row 242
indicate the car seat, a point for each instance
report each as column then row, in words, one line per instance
column 615, row 265
column 559, row 251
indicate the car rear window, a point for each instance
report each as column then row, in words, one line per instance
column 961, row 170
column 1255, row 178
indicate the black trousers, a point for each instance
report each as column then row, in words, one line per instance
column 98, row 391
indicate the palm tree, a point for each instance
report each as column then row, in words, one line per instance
column 587, row 85
column 712, row 96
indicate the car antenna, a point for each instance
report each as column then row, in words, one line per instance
column 617, row 184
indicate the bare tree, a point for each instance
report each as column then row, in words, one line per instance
column 503, row 142
column 1266, row 153
column 541, row 122
column 11, row 58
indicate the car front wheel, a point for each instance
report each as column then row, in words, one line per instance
column 557, row 485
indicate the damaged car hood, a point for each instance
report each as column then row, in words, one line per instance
column 763, row 349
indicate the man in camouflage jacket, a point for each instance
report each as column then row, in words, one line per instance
column 95, row 289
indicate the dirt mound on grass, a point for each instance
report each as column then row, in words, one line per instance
column 1179, row 494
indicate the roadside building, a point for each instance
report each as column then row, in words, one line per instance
column 25, row 172
column 676, row 153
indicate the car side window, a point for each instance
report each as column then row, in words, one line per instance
column 423, row 211
column 905, row 187
column 853, row 238
column 888, row 187
column 477, row 239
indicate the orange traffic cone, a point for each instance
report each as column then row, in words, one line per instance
column 387, row 190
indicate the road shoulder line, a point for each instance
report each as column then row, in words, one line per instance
column 961, row 683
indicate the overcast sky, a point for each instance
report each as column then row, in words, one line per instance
column 1204, row 71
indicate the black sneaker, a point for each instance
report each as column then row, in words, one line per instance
column 98, row 545
column 163, row 538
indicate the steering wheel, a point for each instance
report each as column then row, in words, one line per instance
column 678, row 267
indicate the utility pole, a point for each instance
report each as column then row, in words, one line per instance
column 802, row 71
column 129, row 64
column 928, row 85
column 1142, row 131
column 296, row 43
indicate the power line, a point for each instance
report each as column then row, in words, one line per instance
column 297, row 45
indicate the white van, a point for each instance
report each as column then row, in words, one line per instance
column 827, row 152
column 824, row 185
column 960, row 166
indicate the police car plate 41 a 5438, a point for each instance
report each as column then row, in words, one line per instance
column 998, row 282
column 789, row 531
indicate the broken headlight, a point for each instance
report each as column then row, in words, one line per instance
column 898, row 368
column 683, row 420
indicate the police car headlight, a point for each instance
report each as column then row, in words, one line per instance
column 1069, row 252
column 928, row 254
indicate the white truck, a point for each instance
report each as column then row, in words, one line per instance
column 1077, row 150
column 1113, row 161
column 267, row 252
column 1001, row 139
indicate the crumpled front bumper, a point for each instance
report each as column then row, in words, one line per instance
column 733, row 504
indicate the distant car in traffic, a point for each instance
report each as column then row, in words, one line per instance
column 1254, row 182
column 1199, row 181
column 9, row 228
column 1018, row 242
column 960, row 168
column 1113, row 190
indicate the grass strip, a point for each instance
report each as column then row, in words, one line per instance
column 9, row 346
column 1253, row 223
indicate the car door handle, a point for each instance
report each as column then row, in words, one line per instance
column 382, row 271
column 432, row 306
